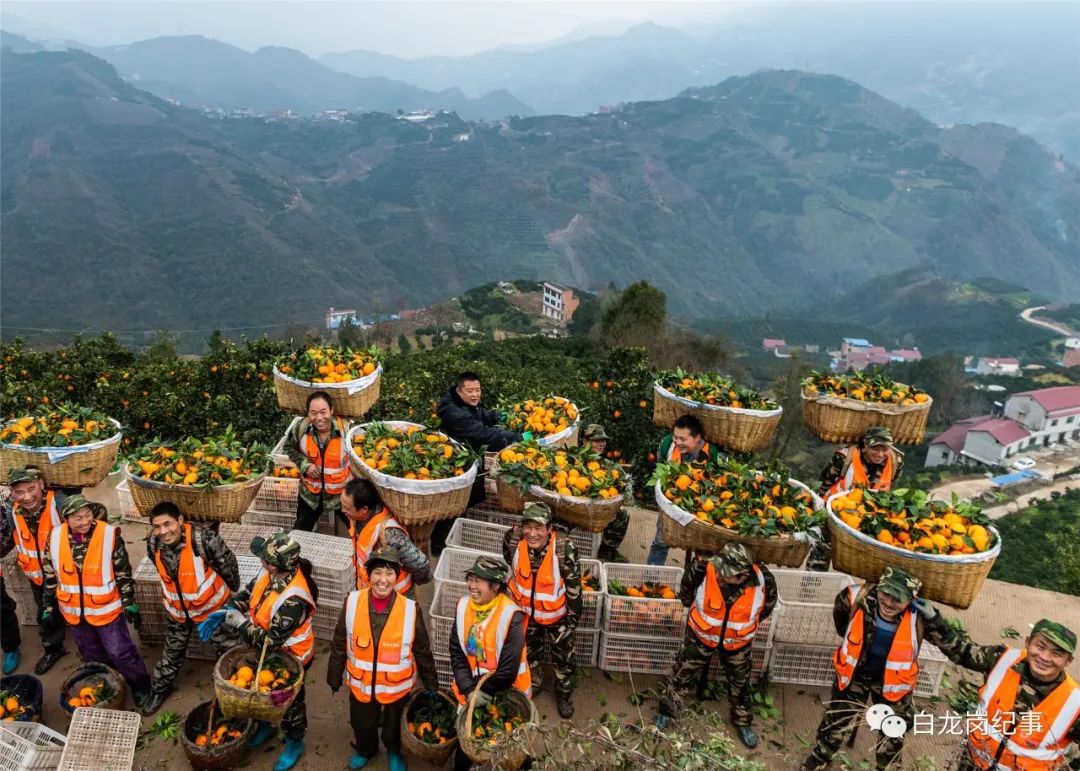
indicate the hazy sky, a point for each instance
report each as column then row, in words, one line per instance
column 408, row 29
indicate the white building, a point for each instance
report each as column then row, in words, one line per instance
column 335, row 318
column 998, row 366
column 1050, row 414
column 559, row 302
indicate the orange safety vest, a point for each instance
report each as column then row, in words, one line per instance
column 855, row 474
column 30, row 548
column 388, row 673
column 675, row 456
column 333, row 461
column 1041, row 750
column 493, row 633
column 902, row 663
column 201, row 590
column 90, row 593
column 710, row 617
column 262, row 611
column 542, row 596
column 370, row 537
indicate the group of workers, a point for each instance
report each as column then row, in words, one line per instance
column 517, row 611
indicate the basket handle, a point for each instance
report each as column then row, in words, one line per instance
column 258, row 667
column 472, row 702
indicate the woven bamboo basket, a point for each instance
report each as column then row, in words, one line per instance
column 30, row 693
column 953, row 581
column 511, row 499
column 589, row 514
column 784, row 550
column 94, row 674
column 223, row 503
column 842, row 421
column 352, row 399
column 436, row 754
column 736, row 429
column 416, row 501
column 247, row 703
column 481, row 753
column 215, row 756
column 84, row 468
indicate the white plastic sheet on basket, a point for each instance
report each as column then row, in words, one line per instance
column 704, row 405
column 544, row 441
column 57, row 454
column 410, row 486
column 350, row 387
column 278, row 454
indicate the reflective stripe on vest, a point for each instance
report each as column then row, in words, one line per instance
column 201, row 590
column 675, row 456
column 336, row 473
column 97, row 599
column 30, row 546
column 493, row 631
column 395, row 671
column 855, row 474
column 1041, row 750
column 742, row 618
column 542, row 596
column 901, row 664
column 302, row 642
column 371, row 536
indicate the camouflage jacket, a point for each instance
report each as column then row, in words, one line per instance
column 834, row 472
column 121, row 566
column 569, row 569
column 292, row 449
column 7, row 521
column 413, row 560
column 208, row 545
column 694, row 577
column 288, row 618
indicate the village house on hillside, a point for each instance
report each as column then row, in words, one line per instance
column 998, row 366
column 857, row 353
column 559, row 302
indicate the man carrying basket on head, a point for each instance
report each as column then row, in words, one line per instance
column 381, row 647
column 614, row 534
column 874, row 463
column 278, row 606
column 545, row 582
column 372, row 526
column 317, row 445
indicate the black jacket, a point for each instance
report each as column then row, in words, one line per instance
column 473, row 426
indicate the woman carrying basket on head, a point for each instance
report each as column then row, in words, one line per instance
column 277, row 606
column 317, row 445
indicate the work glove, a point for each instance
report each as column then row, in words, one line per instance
column 210, row 625
column 925, row 608
column 527, row 436
column 503, row 417
column 131, row 613
column 234, row 618
column 482, row 699
column 46, row 614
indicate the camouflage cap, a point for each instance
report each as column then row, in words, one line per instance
column 733, row 559
column 72, row 504
column 489, row 568
column 1059, row 634
column 877, row 436
column 23, row 474
column 386, row 556
column 899, row 584
column 594, row 431
column 279, row 550
column 536, row 512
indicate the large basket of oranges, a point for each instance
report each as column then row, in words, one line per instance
column 705, row 507
column 93, row 685
column 949, row 546
column 422, row 475
column 581, row 488
column 733, row 416
column 429, row 729
column 248, row 684
column 350, row 376
column 212, row 742
column 497, row 734
column 21, row 698
column 553, row 420
column 210, row 480
column 840, row 408
column 71, row 446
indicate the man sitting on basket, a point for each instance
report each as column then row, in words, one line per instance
column 729, row 595
column 545, row 581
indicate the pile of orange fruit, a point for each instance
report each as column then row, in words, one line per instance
column 714, row 389
column 432, row 720
column 330, row 365
column 647, row 589
column 90, row 695
column 267, row 679
column 497, row 718
column 543, row 417
column 574, row 471
column 864, row 387
column 909, row 520
column 590, row 582
column 412, row 452
column 10, row 706
column 65, row 426
column 200, row 462
column 287, row 472
column 225, row 733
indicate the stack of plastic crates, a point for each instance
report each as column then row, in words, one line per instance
column 18, row 586
column 29, row 747
column 101, row 739
column 237, row 535
column 128, row 511
column 449, row 585
column 588, row 544
column 641, row 634
column 332, row 558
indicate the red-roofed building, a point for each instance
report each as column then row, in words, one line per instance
column 1050, row 413
column 1071, row 358
column 770, row 343
column 906, row 354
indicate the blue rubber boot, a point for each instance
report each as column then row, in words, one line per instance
column 262, row 732
column 396, row 762
column 11, row 661
column 289, row 756
column 357, row 761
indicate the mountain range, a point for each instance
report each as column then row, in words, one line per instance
column 758, row 193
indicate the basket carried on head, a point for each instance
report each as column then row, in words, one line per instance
column 511, row 499
column 436, row 754
column 951, row 580
column 83, row 465
column 236, row 702
column 93, row 675
column 415, row 501
column 27, row 689
column 590, row 514
column 352, row 399
column 221, row 503
column 480, row 752
column 226, row 755
column 840, row 420
column 683, row 530
column 734, row 428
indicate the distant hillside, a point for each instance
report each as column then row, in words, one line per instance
column 759, row 194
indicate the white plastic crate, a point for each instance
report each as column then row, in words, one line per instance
column 454, row 562
column 586, row 648
column 277, row 495
column 29, row 747
column 446, row 672
column 237, row 536
column 101, row 739
column 441, row 615
column 760, row 655
column 644, row 655
column 588, row 544
column 643, row 616
column 128, row 511
column 332, row 558
column 477, row 536
column 813, row 665
column 809, row 585
column 592, row 603
column 808, row 623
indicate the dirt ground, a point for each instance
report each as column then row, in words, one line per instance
column 785, row 740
